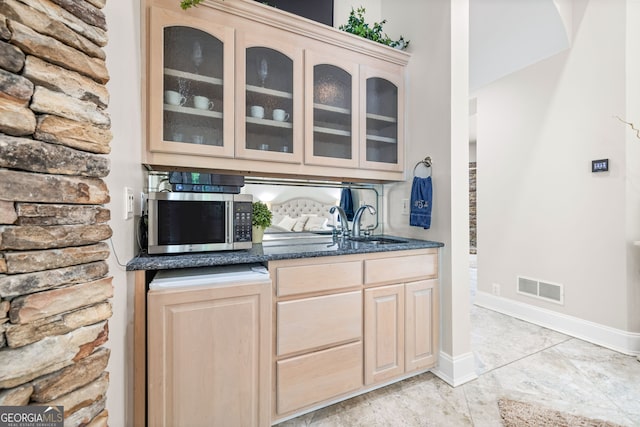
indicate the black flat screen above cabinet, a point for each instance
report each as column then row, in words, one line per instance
column 317, row 10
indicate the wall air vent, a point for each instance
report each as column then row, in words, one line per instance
column 541, row 289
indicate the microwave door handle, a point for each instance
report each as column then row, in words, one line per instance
column 229, row 222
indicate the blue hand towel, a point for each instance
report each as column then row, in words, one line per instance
column 346, row 203
column 421, row 197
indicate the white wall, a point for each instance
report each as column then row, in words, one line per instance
column 437, row 125
column 633, row 163
column 342, row 8
column 124, row 64
column 541, row 212
column 508, row 35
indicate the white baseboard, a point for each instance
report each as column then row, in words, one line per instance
column 612, row 338
column 457, row 370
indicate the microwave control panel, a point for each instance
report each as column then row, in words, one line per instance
column 242, row 221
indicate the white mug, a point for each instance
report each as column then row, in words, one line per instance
column 280, row 115
column 174, row 98
column 202, row 103
column 257, row 112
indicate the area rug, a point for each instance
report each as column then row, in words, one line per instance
column 521, row 414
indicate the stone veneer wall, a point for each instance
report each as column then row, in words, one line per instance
column 54, row 137
column 472, row 209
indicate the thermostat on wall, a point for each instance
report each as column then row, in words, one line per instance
column 601, row 165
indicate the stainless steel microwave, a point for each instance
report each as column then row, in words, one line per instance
column 198, row 222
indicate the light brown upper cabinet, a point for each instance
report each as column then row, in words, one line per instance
column 354, row 114
column 191, row 73
column 382, row 118
column 241, row 87
column 331, row 110
column 269, row 97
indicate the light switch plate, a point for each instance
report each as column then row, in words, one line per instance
column 406, row 207
column 601, row 165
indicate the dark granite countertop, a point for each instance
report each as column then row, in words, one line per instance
column 275, row 250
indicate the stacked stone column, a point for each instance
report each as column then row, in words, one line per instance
column 55, row 287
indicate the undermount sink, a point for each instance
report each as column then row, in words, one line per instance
column 311, row 239
column 288, row 239
column 377, row 240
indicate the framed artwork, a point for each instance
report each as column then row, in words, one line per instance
column 317, row 10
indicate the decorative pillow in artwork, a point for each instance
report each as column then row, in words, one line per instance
column 315, row 223
column 300, row 223
column 287, row 223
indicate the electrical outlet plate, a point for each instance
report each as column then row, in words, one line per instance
column 496, row 289
column 128, row 203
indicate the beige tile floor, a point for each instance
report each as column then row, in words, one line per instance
column 514, row 359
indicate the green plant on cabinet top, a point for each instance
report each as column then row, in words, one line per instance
column 186, row 4
column 358, row 26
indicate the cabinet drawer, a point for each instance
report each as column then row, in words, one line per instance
column 318, row 277
column 309, row 323
column 314, row 377
column 398, row 269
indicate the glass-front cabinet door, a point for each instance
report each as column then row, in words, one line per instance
column 382, row 122
column 190, row 85
column 268, row 98
column 331, row 90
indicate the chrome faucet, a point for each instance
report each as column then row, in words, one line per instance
column 358, row 215
column 343, row 219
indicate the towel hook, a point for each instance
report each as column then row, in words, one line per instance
column 426, row 162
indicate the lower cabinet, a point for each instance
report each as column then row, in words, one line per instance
column 343, row 325
column 208, row 358
column 421, row 324
column 318, row 331
column 321, row 330
column 383, row 333
column 399, row 329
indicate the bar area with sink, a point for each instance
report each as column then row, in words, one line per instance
column 319, row 256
